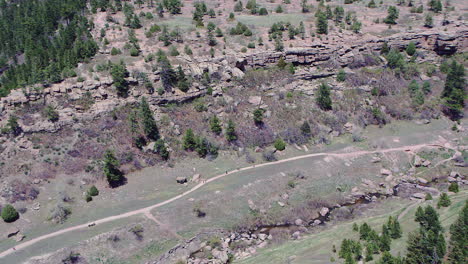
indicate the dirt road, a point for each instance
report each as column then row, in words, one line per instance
column 146, row 210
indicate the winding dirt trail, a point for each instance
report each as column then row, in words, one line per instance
column 146, row 210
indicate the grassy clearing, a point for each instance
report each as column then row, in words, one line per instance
column 267, row 21
column 317, row 248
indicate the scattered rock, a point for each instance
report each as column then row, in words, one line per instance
column 196, row 177
column 422, row 181
column 299, row 222
column 324, row 211
column 385, row 172
column 419, row 195
column 255, row 100
column 281, row 204
column 296, row 235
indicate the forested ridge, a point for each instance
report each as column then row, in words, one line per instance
column 42, row 41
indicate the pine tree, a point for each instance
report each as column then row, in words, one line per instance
column 323, row 97
column 305, row 129
column 111, row 170
column 13, row 126
column 258, row 116
column 150, row 127
column 189, row 141
column 182, row 81
column 444, row 201
column 411, row 49
column 458, row 253
column 161, row 149
column 167, row 73
column 321, row 23
column 231, row 134
column 119, row 73
column 454, row 91
column 215, row 125
column 392, row 16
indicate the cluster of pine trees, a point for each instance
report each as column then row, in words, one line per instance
column 425, row 245
column 42, row 41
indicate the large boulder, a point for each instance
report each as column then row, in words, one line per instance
column 181, row 179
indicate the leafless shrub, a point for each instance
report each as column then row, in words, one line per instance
column 90, row 133
column 64, row 197
column 137, row 231
column 72, row 258
column 279, row 235
column 70, row 181
column 113, row 238
column 18, row 190
column 74, row 153
column 357, row 134
column 323, row 138
column 253, row 136
column 269, row 155
column 364, row 60
column 294, row 135
column 59, row 214
column 74, row 165
column 249, row 158
column 21, row 210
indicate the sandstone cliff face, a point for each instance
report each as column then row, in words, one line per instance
column 344, row 53
column 227, row 68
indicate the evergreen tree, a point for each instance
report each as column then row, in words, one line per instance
column 321, row 23
column 119, row 73
column 111, row 170
column 182, row 82
column 458, row 252
column 411, row 49
column 161, row 149
column 395, row 59
column 454, row 91
column 231, row 134
column 306, row 130
column 453, row 187
column 427, row 245
column 428, row 21
column 215, row 125
column 444, row 201
column 323, row 97
column 258, row 116
column 150, row 127
column 167, row 73
column 385, row 49
column 13, row 126
column 392, row 15
column 189, row 142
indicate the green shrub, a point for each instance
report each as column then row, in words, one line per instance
column 444, row 200
column 411, row 49
column 279, row 144
column 9, row 214
column 134, row 52
column 428, row 197
column 453, row 187
column 93, row 191
column 341, row 76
